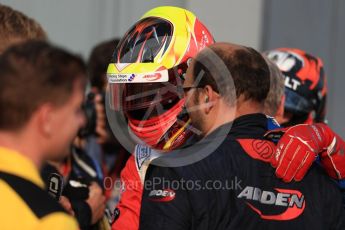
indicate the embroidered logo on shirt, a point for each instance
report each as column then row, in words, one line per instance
column 293, row 200
column 162, row 195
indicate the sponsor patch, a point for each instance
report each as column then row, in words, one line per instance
column 142, row 153
column 162, row 195
column 293, row 200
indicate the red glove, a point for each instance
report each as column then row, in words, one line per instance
column 333, row 158
column 301, row 144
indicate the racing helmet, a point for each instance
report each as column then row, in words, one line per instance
column 305, row 85
column 147, row 72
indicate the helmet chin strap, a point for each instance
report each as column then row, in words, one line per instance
column 151, row 131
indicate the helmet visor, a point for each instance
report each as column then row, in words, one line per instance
column 147, row 39
column 150, row 98
column 295, row 103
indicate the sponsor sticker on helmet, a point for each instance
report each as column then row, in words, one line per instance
column 153, row 77
column 159, row 76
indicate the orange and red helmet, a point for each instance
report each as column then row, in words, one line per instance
column 148, row 70
column 305, row 84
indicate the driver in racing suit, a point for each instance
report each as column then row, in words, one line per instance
column 160, row 45
column 304, row 106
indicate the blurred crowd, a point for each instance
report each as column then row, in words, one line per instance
column 77, row 179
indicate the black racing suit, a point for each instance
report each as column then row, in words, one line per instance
column 235, row 188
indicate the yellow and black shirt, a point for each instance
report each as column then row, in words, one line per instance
column 23, row 202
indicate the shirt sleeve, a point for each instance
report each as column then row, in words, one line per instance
column 129, row 204
column 165, row 202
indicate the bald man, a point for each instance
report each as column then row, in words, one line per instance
column 233, row 186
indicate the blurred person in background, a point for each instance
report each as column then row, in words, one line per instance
column 35, row 128
column 82, row 174
column 15, row 27
column 100, row 143
column 98, row 62
column 85, row 170
column 82, row 186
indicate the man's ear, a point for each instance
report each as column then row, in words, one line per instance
column 45, row 119
column 280, row 113
column 208, row 99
